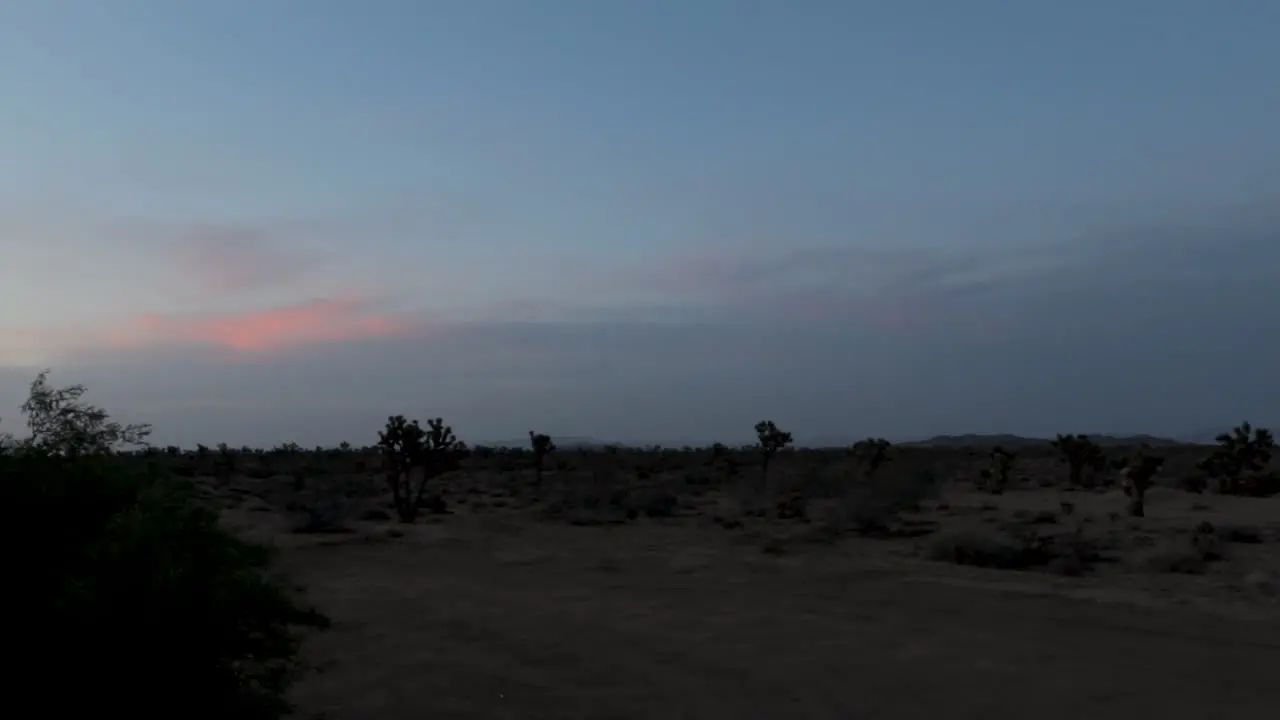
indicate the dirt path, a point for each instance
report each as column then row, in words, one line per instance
column 561, row 624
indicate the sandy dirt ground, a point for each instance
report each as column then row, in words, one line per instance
column 476, row 616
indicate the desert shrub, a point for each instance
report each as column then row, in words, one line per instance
column 61, row 423
column 140, row 597
column 1207, row 541
column 654, row 502
column 592, row 503
column 1240, row 534
column 1193, row 482
column 983, row 549
column 1265, row 484
column 184, row 471
column 1016, row 549
column 1174, row 558
column 751, row 499
column 874, row 504
column 326, row 512
column 1189, row 555
column 133, row 599
column 260, row 472
column 792, row 506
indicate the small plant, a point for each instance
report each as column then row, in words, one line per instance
column 406, row 447
column 996, row 477
column 1241, row 454
column 1080, row 454
column 542, row 447
column 722, row 456
column 871, row 454
column 1138, row 475
column 769, row 440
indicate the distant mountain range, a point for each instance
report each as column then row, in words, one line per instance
column 1016, row 440
column 1206, row 437
column 564, row 442
column 579, row 442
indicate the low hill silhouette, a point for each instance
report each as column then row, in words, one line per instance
column 1007, row 440
column 563, row 442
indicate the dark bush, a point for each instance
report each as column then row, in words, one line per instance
column 874, row 505
column 656, row 503
column 1017, row 549
column 132, row 600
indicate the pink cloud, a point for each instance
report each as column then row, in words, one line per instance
column 316, row 321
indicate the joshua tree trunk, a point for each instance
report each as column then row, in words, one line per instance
column 1136, row 489
column 1136, row 506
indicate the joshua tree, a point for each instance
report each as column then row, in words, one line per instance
column 769, row 440
column 225, row 464
column 542, row 447
column 1079, row 453
column 1243, row 450
column 407, row 447
column 1139, row 473
column 997, row 476
column 871, row 453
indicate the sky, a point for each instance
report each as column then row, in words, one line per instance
column 284, row 220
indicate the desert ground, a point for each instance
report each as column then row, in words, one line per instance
column 657, row 585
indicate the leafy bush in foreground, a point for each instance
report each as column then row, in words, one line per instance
column 130, row 589
column 128, row 597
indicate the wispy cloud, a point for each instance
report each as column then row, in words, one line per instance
column 890, row 288
column 222, row 259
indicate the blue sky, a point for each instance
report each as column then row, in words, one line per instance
column 660, row 221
